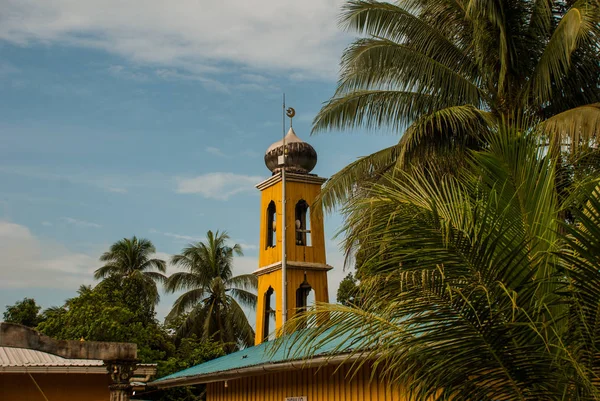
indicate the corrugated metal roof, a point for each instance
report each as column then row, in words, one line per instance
column 263, row 354
column 24, row 357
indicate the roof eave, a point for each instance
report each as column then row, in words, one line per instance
column 256, row 370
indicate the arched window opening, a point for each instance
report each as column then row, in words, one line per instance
column 302, row 224
column 269, row 313
column 271, row 225
column 303, row 295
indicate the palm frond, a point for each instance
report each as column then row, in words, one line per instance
column 243, row 281
column 238, row 321
column 244, row 297
column 342, row 184
column 579, row 24
column 395, row 109
column 573, row 130
column 373, row 63
column 156, row 277
column 105, row 271
column 183, row 281
column 157, row 264
column 399, row 24
column 185, row 302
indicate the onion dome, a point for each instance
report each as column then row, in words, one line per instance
column 301, row 157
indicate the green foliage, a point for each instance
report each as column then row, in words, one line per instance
column 25, row 312
column 347, row 291
column 446, row 73
column 214, row 296
column 190, row 352
column 111, row 311
column 474, row 287
column 131, row 259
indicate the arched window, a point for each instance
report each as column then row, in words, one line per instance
column 269, row 313
column 271, row 225
column 302, row 297
column 302, row 223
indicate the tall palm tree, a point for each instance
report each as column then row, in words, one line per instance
column 213, row 297
column 446, row 72
column 130, row 259
column 472, row 289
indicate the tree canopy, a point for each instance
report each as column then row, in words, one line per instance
column 347, row 291
column 25, row 312
column 131, row 259
column 214, row 297
column 474, row 287
column 446, row 73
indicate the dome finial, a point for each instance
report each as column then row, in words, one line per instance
column 290, row 112
column 301, row 158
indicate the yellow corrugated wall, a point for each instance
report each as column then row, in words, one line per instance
column 316, row 384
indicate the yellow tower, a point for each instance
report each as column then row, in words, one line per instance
column 304, row 262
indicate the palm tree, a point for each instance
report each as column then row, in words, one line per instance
column 130, row 259
column 446, row 72
column 213, row 297
column 472, row 288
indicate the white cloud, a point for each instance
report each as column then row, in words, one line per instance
column 46, row 224
column 28, row 261
column 178, row 236
column 80, row 223
column 250, row 153
column 217, row 185
column 114, row 183
column 215, row 151
column 245, row 246
column 127, row 73
column 299, row 38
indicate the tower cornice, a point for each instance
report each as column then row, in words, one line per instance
column 294, row 265
column 291, row 177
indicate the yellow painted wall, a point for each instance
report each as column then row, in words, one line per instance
column 317, row 280
column 295, row 191
column 56, row 387
column 324, row 384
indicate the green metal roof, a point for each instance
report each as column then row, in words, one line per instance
column 292, row 350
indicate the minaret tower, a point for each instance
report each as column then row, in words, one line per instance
column 303, row 261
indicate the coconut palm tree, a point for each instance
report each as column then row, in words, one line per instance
column 472, row 288
column 214, row 297
column 129, row 260
column 446, row 72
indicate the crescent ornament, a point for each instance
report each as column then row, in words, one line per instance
column 290, row 112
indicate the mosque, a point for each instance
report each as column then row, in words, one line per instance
column 292, row 262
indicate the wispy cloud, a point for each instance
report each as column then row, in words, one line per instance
column 245, row 246
column 113, row 183
column 215, row 151
column 300, row 38
column 219, row 186
column 121, row 71
column 80, row 223
column 178, row 236
column 250, row 153
column 8, row 69
column 197, row 238
column 28, row 261
column 46, row 224
column 209, row 83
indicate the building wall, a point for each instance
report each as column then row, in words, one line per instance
column 56, row 387
column 295, row 191
column 324, row 384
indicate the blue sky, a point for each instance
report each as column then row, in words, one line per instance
column 144, row 119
